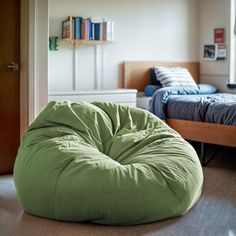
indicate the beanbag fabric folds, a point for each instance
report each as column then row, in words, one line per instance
column 105, row 163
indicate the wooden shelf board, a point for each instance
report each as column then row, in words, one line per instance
column 78, row 42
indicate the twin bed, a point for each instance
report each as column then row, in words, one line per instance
column 206, row 116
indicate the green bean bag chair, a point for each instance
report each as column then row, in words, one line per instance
column 105, row 163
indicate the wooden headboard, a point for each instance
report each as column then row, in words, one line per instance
column 137, row 73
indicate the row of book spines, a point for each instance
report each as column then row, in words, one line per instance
column 85, row 29
column 81, row 28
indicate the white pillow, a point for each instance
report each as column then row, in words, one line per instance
column 174, row 77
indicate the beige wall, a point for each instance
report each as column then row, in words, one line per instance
column 144, row 30
column 37, row 55
column 41, row 54
column 214, row 14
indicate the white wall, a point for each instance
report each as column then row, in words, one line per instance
column 214, row 14
column 41, row 54
column 38, row 56
column 144, row 30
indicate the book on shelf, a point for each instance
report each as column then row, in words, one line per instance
column 108, row 31
column 80, row 28
column 97, row 31
column 77, row 28
column 88, row 35
column 93, row 31
column 67, row 28
column 73, row 27
column 101, row 30
column 84, row 29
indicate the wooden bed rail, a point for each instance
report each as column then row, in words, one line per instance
column 205, row 132
column 137, row 75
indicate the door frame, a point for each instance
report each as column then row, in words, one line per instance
column 33, row 60
column 25, row 110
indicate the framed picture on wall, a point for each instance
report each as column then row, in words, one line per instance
column 210, row 52
column 219, row 35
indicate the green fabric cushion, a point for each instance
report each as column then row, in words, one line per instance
column 105, row 163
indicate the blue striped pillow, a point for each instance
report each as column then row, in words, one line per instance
column 175, row 77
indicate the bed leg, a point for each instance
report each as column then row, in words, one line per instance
column 202, row 155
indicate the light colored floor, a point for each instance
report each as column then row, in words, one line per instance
column 214, row 214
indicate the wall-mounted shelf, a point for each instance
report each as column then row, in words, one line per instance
column 78, row 42
column 78, row 31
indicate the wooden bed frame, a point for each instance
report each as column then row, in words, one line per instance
column 137, row 75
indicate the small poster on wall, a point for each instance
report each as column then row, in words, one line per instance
column 210, row 52
column 219, row 35
column 222, row 51
column 213, row 52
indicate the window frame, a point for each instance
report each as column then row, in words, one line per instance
column 232, row 47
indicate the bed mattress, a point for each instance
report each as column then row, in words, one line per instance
column 217, row 108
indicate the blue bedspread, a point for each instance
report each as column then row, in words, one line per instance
column 196, row 105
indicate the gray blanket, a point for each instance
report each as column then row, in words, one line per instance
column 188, row 104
